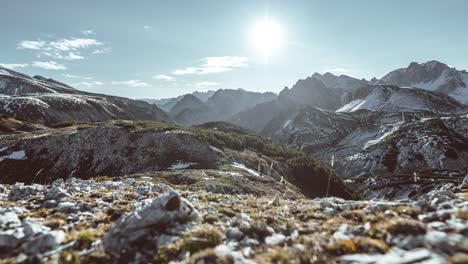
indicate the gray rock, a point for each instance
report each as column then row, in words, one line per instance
column 32, row 227
column 56, row 193
column 234, row 233
column 160, row 187
column 9, row 220
column 142, row 189
column 43, row 243
column 167, row 210
column 464, row 184
column 276, row 239
column 21, row 191
column 164, row 239
column 129, row 181
column 396, row 256
column 66, row 207
column 236, row 256
column 11, row 238
column 49, row 204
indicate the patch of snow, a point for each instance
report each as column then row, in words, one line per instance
column 16, row 155
column 381, row 138
column 435, row 84
column 352, row 106
column 180, row 165
column 461, row 93
column 216, row 149
column 3, row 148
column 5, row 72
column 243, row 167
column 286, row 123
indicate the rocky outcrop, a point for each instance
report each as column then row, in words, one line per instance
column 114, row 222
column 165, row 216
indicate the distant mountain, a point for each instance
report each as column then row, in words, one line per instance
column 395, row 99
column 344, row 82
column 323, row 91
column 221, row 106
column 167, row 103
column 433, row 76
column 48, row 101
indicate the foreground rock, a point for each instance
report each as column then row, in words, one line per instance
column 165, row 216
column 114, row 221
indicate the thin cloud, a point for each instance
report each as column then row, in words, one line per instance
column 31, row 44
column 88, row 84
column 147, row 27
column 71, row 76
column 74, row 44
column 106, row 50
column 48, row 65
column 13, row 66
column 65, row 48
column 205, row 84
column 164, row 78
column 58, row 55
column 215, row 65
column 132, row 83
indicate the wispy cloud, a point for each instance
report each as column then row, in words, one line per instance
column 58, row 55
column 215, row 65
column 88, row 32
column 88, row 84
column 13, row 66
column 71, row 76
column 74, row 44
column 164, row 78
column 205, row 84
column 147, row 27
column 105, row 50
column 32, row 44
column 64, row 48
column 132, row 83
column 48, row 65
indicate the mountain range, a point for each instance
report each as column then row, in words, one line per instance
column 332, row 170
column 411, row 119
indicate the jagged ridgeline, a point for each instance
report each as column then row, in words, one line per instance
column 118, row 148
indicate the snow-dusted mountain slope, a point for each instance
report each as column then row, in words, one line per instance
column 433, row 76
column 48, row 101
column 394, row 99
column 370, row 143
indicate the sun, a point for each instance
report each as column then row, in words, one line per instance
column 266, row 37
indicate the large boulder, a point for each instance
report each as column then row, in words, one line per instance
column 166, row 214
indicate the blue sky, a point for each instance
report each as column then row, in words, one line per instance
column 157, row 49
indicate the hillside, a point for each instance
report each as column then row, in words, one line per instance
column 47, row 101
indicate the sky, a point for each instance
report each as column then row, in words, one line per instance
column 159, row 49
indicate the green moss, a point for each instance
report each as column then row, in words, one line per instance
column 101, row 178
column 210, row 218
column 405, row 227
column 204, row 237
column 69, row 257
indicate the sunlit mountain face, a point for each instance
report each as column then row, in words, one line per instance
column 233, row 132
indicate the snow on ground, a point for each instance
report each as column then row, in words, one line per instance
column 243, row 167
column 217, row 150
column 435, row 84
column 16, row 155
column 287, row 123
column 352, row 106
column 461, row 93
column 386, row 133
column 5, row 72
column 180, row 165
